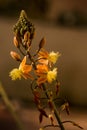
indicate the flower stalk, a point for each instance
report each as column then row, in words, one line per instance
column 54, row 109
column 10, row 108
column 41, row 63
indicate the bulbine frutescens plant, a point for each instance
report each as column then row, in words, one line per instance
column 40, row 68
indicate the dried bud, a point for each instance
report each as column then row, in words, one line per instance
column 28, row 43
column 42, row 111
column 15, row 56
column 42, row 42
column 52, row 120
column 57, row 87
column 50, row 104
column 16, row 42
column 26, row 36
column 65, row 106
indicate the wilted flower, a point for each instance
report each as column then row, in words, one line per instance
column 22, row 71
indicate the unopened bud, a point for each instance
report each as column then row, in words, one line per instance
column 26, row 36
column 15, row 56
column 42, row 42
column 28, row 43
column 16, row 42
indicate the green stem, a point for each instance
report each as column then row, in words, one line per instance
column 54, row 108
column 10, row 107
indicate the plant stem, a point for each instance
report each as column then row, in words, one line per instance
column 10, row 107
column 55, row 109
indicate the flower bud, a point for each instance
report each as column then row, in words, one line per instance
column 42, row 42
column 26, row 36
column 16, row 42
column 15, row 56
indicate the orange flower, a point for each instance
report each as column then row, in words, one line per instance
column 45, row 75
column 41, row 73
column 25, row 69
column 45, row 57
column 22, row 71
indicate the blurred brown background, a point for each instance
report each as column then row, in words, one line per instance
column 64, row 24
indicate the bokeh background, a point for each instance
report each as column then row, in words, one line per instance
column 64, row 24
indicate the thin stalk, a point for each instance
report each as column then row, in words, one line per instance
column 10, row 107
column 55, row 109
column 48, row 97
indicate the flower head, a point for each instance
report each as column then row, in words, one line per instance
column 22, row 71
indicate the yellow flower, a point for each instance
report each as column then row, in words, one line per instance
column 51, row 75
column 53, row 56
column 22, row 71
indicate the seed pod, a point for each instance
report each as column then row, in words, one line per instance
column 15, row 56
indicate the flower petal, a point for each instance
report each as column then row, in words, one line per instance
column 22, row 64
column 41, row 80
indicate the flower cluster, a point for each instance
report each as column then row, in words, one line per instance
column 42, row 61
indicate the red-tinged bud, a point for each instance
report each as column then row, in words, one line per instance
column 42, row 111
column 36, row 97
column 15, row 56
